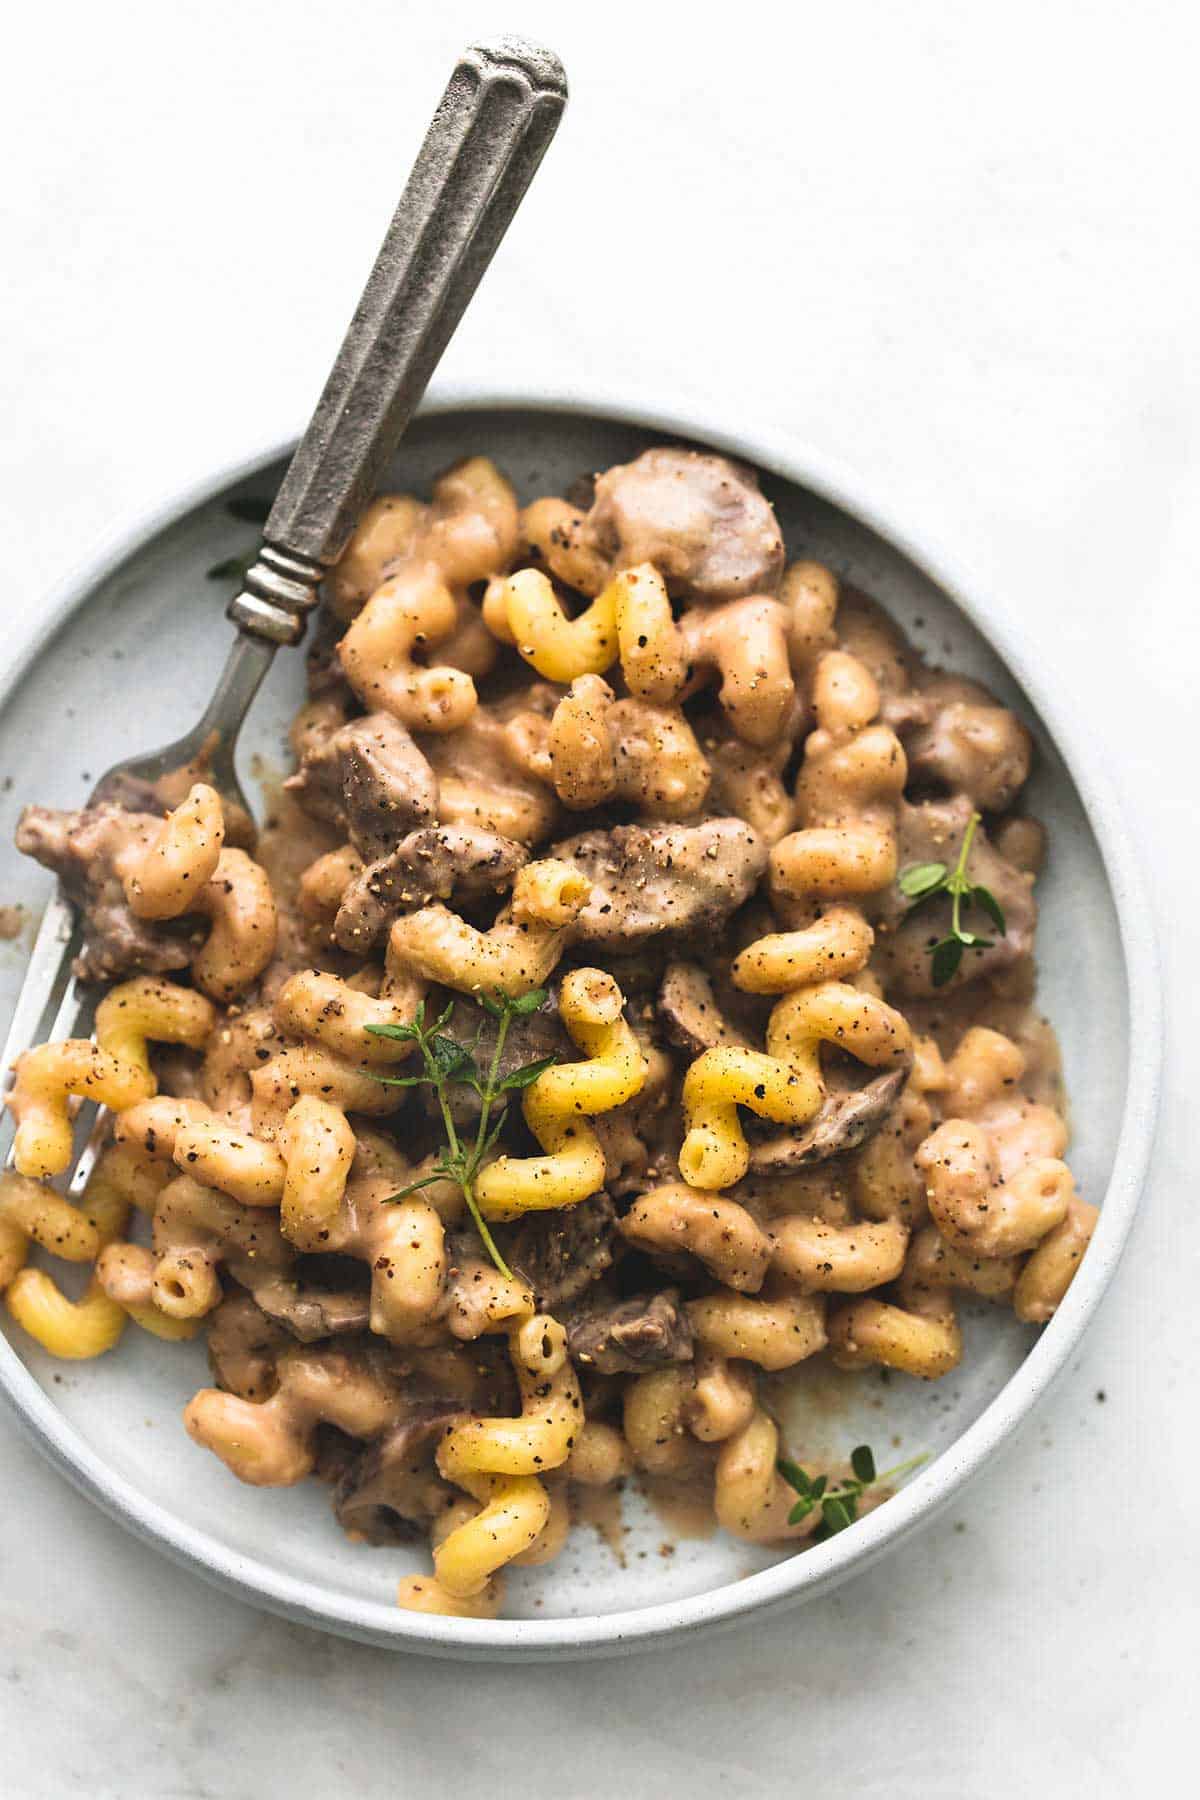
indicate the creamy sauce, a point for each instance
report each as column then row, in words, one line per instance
column 685, row 1507
column 602, row 1509
column 172, row 788
column 813, row 1395
column 820, row 1410
column 1013, row 1012
column 290, row 840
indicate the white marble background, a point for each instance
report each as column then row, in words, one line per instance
column 958, row 247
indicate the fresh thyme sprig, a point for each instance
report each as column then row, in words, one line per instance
column 250, row 509
column 839, row 1503
column 247, row 509
column 445, row 1060
column 233, row 568
column 922, row 881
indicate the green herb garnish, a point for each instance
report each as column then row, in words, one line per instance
column 445, row 1061
column 839, row 1503
column 234, row 568
column 923, row 881
column 249, row 509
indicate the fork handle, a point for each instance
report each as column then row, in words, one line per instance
column 490, row 132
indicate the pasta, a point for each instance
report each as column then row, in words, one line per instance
column 185, row 869
column 113, row 1070
column 974, row 1210
column 410, row 610
column 601, row 749
column 558, row 647
column 239, row 903
column 75, row 1330
column 745, row 642
column 516, row 955
column 570, row 1063
column 749, row 1497
column 161, row 880
column 32, row 1212
column 467, row 533
column 715, row 1153
column 561, row 1101
column 775, row 1333
column 851, row 782
column 499, row 1463
column 718, row 1233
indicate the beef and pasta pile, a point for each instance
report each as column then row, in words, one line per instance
column 630, row 994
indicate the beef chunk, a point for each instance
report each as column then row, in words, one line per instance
column 389, row 1492
column 647, row 1332
column 651, row 879
column 560, row 1253
column 83, row 849
column 699, row 519
column 845, row 1121
column 933, row 832
column 441, row 862
column 691, row 1016
column 369, row 780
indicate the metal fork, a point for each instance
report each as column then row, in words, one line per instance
column 490, row 131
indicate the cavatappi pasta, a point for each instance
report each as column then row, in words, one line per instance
column 626, row 753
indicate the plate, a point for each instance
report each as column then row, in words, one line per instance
column 127, row 658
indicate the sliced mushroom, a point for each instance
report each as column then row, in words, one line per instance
column 309, row 1314
column 389, row 1494
column 242, row 1346
column 650, row 1331
column 688, row 1008
column 844, row 1122
column 560, row 1253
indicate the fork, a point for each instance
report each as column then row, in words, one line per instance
column 491, row 129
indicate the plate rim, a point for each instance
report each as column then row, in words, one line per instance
column 784, row 454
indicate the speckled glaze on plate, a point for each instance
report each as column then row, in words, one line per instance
column 126, row 657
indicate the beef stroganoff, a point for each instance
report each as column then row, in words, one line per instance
column 630, row 996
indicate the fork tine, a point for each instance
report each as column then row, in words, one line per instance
column 63, row 1026
column 88, row 1157
column 48, row 966
column 66, row 1017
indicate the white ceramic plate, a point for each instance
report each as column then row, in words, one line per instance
column 127, row 659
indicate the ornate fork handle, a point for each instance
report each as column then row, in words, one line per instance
column 488, row 136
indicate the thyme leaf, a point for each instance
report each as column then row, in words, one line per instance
column 920, row 882
column 838, row 1502
column 249, row 509
column 233, row 568
column 444, row 1062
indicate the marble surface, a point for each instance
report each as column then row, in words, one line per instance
column 958, row 248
